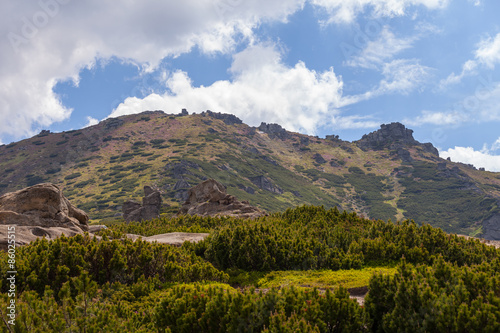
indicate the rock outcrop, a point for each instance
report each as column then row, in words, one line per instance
column 113, row 123
column 393, row 136
column 150, row 208
column 274, row 131
column 265, row 184
column 228, row 119
column 181, row 168
column 210, row 198
column 38, row 211
column 491, row 228
column 318, row 158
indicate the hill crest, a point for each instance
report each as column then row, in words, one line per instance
column 386, row 174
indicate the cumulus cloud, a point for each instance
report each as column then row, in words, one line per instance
column 345, row 11
column 480, row 159
column 262, row 89
column 48, row 41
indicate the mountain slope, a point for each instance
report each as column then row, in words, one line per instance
column 385, row 175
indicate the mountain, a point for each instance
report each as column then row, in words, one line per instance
column 386, row 174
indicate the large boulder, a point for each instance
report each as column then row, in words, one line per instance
column 172, row 238
column 150, row 208
column 210, row 198
column 39, row 211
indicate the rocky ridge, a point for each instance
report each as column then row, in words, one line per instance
column 386, row 175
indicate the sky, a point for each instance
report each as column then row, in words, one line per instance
column 317, row 67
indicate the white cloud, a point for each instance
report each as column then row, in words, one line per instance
column 478, row 108
column 496, row 145
column 468, row 68
column 385, row 47
column 480, row 159
column 48, row 41
column 483, row 105
column 354, row 122
column 487, row 54
column 403, row 76
column 488, row 51
column 345, row 11
column 437, row 118
column 262, row 89
column 91, row 121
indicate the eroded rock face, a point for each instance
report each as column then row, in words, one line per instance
column 265, row 184
column 210, row 198
column 274, row 131
column 150, row 208
column 39, row 211
column 393, row 136
column 228, row 119
column 43, row 205
column 387, row 135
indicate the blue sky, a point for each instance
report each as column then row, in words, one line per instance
column 314, row 66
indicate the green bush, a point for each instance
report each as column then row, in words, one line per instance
column 440, row 298
column 201, row 308
column 73, row 176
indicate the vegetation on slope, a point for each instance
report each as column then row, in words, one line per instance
column 102, row 166
column 441, row 283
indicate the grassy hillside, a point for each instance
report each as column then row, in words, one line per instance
column 100, row 167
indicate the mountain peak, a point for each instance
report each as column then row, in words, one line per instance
column 387, row 135
column 393, row 135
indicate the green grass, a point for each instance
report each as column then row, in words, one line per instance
column 352, row 278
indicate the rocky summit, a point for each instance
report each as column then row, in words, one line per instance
column 210, row 198
column 393, row 136
column 39, row 211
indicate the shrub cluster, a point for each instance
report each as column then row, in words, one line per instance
column 53, row 263
column 311, row 237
